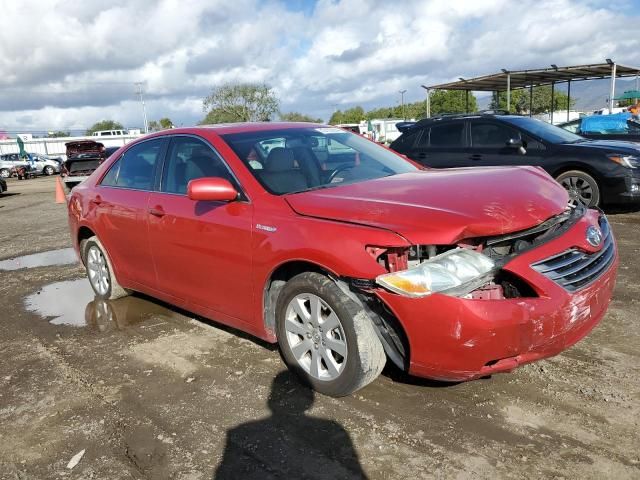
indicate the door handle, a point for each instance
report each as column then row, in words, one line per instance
column 157, row 211
column 422, row 155
column 475, row 156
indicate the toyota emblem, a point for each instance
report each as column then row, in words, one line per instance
column 594, row 236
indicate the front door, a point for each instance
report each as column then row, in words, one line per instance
column 201, row 250
column 490, row 146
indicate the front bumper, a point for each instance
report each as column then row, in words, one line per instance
column 622, row 189
column 456, row 339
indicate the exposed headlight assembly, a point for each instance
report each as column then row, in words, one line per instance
column 455, row 272
column 629, row 161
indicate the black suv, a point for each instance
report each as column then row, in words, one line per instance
column 593, row 171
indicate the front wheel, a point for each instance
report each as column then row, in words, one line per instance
column 5, row 173
column 48, row 170
column 326, row 337
column 581, row 186
column 100, row 271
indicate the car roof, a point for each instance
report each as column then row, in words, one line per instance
column 225, row 128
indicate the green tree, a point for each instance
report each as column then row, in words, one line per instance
column 541, row 100
column 104, row 125
column 451, row 101
column 162, row 124
column 350, row 115
column 58, row 134
column 299, row 117
column 246, row 102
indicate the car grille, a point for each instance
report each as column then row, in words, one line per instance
column 575, row 269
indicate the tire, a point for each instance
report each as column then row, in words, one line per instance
column 5, row 173
column 48, row 170
column 100, row 271
column 581, row 186
column 347, row 357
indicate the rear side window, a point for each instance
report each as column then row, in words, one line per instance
column 494, row 135
column 447, row 135
column 135, row 169
column 407, row 141
column 189, row 158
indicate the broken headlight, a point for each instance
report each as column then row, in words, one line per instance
column 447, row 273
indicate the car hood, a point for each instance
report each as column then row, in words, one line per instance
column 609, row 145
column 441, row 206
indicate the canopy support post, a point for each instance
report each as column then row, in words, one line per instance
column 613, row 87
column 509, row 92
column 568, row 98
column 428, row 103
column 553, row 88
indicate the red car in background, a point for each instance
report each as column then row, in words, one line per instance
column 345, row 253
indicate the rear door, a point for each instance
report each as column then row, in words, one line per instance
column 202, row 250
column 121, row 201
column 442, row 145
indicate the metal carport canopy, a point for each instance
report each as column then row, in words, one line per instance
column 515, row 79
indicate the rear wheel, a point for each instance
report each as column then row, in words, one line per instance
column 4, row 173
column 48, row 170
column 326, row 337
column 581, row 186
column 100, row 271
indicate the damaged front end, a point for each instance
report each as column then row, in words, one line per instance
column 471, row 269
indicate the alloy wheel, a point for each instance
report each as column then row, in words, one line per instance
column 580, row 191
column 98, row 270
column 316, row 337
column 4, row 173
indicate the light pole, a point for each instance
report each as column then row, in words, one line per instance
column 139, row 91
column 402, row 92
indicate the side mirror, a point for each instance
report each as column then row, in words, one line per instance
column 514, row 143
column 517, row 144
column 212, row 189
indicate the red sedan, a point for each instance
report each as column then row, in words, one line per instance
column 345, row 253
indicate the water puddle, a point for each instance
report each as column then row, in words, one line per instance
column 64, row 256
column 73, row 303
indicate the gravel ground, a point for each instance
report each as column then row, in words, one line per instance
column 149, row 391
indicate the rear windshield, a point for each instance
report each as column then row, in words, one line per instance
column 299, row 159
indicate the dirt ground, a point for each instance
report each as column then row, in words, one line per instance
column 148, row 391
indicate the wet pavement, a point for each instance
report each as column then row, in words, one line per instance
column 153, row 392
column 73, row 303
column 63, row 256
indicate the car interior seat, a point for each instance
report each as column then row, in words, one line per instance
column 280, row 174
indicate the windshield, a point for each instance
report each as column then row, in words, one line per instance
column 544, row 130
column 298, row 159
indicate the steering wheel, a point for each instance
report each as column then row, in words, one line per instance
column 338, row 169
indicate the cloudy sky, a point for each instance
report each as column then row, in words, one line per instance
column 67, row 64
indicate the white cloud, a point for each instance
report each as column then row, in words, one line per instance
column 72, row 63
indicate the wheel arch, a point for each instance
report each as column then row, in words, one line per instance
column 280, row 275
column 583, row 167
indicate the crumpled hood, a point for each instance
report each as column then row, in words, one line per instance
column 441, row 206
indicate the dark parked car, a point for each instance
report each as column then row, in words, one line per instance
column 343, row 251
column 3, row 185
column 605, row 127
column 595, row 172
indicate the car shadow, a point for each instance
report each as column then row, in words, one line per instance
column 9, row 194
column 393, row 373
column 289, row 443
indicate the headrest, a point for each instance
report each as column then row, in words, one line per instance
column 280, row 160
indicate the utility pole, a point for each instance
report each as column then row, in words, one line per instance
column 139, row 92
column 402, row 92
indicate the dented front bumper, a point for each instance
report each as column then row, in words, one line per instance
column 452, row 338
